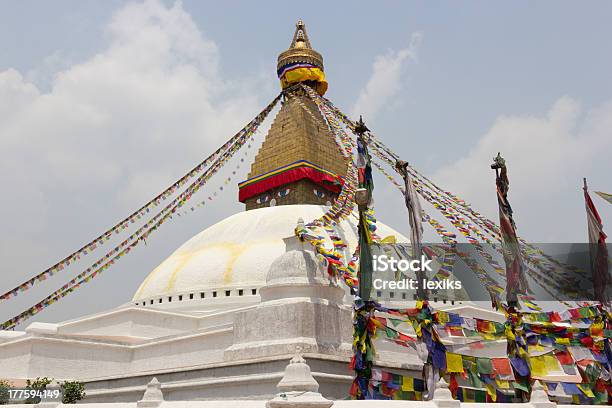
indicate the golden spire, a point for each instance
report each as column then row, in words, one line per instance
column 299, row 161
column 300, row 38
column 300, row 50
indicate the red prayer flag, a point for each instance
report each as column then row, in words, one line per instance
column 502, row 366
column 453, row 386
column 564, row 358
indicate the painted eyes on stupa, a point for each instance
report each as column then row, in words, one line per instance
column 284, row 192
column 318, row 193
column 263, row 199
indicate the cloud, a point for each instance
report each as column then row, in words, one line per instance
column 110, row 132
column 385, row 81
column 547, row 156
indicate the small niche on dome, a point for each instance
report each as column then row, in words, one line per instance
column 191, row 296
column 253, row 291
column 201, row 295
column 215, row 293
column 228, row 292
column 240, row 292
column 180, row 298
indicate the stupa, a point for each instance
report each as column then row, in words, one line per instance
column 222, row 315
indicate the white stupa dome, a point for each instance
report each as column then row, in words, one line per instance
column 228, row 262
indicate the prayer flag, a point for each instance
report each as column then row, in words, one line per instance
column 502, row 366
column 454, row 363
column 605, row 196
column 602, row 282
column 484, row 366
column 538, row 367
column 407, row 384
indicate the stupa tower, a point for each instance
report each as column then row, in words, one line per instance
column 298, row 162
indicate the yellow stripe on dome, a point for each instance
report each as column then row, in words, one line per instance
column 235, row 251
column 178, row 268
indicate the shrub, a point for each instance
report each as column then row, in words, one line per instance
column 73, row 391
column 38, row 384
column 4, row 392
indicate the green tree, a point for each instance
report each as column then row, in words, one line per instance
column 39, row 384
column 73, row 391
column 4, row 392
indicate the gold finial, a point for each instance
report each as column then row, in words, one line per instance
column 300, row 38
column 300, row 49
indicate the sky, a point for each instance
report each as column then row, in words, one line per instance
column 104, row 104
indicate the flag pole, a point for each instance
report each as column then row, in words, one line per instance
column 416, row 227
column 597, row 250
column 516, row 345
column 363, row 348
column 363, row 197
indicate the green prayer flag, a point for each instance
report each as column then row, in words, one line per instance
column 470, row 333
column 365, row 260
column 480, row 396
column 484, row 365
column 592, row 372
column 520, row 386
column 392, row 334
column 600, row 397
column 499, row 327
column 394, row 322
column 369, row 354
column 474, row 379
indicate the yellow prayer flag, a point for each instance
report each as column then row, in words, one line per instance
column 509, row 334
column 586, row 390
column 487, row 336
column 389, row 240
column 442, row 317
column 454, row 363
column 502, row 384
column 491, row 392
column 562, row 340
column 407, row 384
column 551, row 363
column 535, row 347
column 538, row 367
